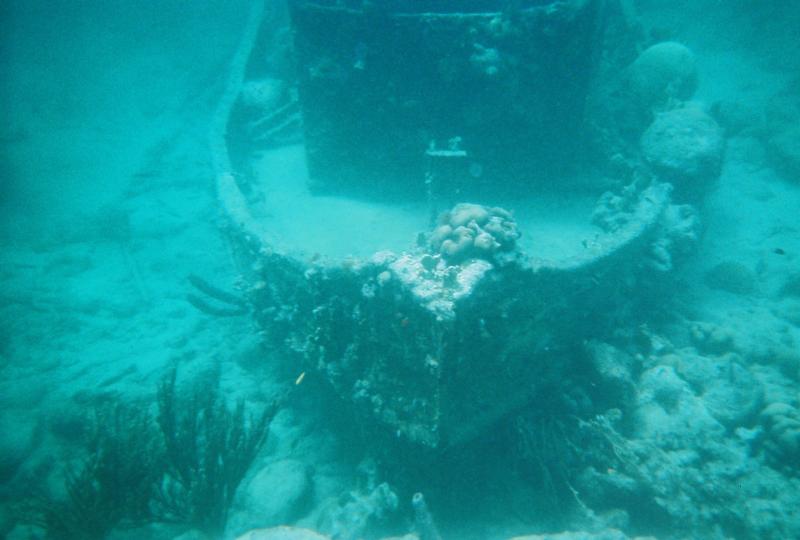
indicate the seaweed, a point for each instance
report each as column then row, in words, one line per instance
column 208, row 450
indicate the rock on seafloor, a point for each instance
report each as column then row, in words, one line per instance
column 275, row 495
column 282, row 533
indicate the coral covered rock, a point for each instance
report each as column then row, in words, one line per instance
column 710, row 338
column 678, row 232
column 735, row 396
column 670, row 413
column 781, row 423
column 685, row 146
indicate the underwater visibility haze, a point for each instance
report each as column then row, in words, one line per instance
column 398, row 269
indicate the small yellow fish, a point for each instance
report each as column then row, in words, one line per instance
column 300, row 378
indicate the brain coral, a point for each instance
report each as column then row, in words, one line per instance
column 473, row 231
column 662, row 72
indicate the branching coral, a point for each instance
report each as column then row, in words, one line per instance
column 208, row 450
column 112, row 487
column 184, row 467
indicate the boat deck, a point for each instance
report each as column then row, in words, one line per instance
column 336, row 227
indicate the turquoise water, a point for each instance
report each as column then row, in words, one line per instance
column 374, row 269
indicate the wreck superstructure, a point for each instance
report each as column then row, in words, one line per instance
column 450, row 136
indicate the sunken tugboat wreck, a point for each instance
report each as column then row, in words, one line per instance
column 432, row 247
